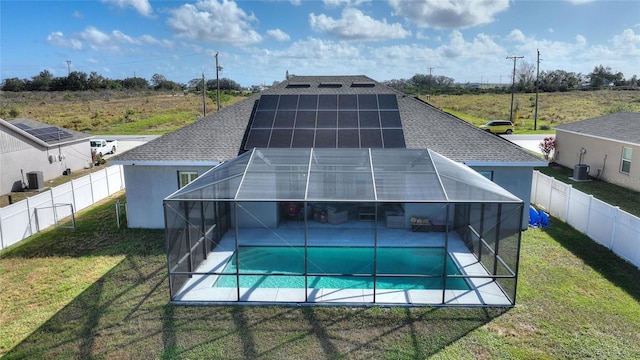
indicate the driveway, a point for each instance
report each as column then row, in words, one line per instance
column 529, row 142
column 127, row 142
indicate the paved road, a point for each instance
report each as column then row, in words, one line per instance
column 529, row 142
column 127, row 142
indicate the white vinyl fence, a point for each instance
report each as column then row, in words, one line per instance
column 608, row 225
column 29, row 216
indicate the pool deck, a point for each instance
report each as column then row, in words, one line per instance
column 483, row 292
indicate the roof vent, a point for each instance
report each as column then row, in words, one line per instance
column 363, row 84
column 298, row 85
column 330, row 85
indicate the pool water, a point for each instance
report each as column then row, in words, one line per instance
column 284, row 267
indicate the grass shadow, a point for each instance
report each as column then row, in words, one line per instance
column 126, row 313
column 615, row 269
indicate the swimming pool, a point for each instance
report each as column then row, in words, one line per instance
column 284, row 267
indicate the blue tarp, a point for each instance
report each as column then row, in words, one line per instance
column 538, row 217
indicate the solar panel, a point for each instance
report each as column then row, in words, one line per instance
column 367, row 102
column 308, row 102
column 22, row 126
column 369, row 119
column 393, row 138
column 50, row 133
column 326, row 121
column 387, row 102
column 328, row 102
column 288, row 102
column 347, row 102
column 268, row 102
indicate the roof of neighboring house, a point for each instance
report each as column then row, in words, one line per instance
column 622, row 126
column 44, row 134
column 218, row 137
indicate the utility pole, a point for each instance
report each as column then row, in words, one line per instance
column 204, row 98
column 513, row 82
column 535, row 116
column 218, row 68
column 68, row 67
column 430, row 80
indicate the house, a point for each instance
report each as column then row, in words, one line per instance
column 160, row 167
column 334, row 189
column 603, row 148
column 32, row 152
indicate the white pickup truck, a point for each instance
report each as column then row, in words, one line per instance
column 103, row 147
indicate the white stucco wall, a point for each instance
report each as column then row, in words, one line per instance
column 17, row 153
column 146, row 187
column 516, row 180
column 604, row 157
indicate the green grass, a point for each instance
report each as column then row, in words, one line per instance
column 612, row 194
column 553, row 108
column 100, row 293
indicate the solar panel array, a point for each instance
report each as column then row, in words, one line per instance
column 326, row 121
column 50, row 133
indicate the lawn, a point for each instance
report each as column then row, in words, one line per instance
column 553, row 108
column 100, row 293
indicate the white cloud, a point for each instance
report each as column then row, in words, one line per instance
column 96, row 39
column 313, row 48
column 214, row 22
column 451, row 14
column 78, row 15
column 627, row 40
column 581, row 40
column 516, row 35
column 58, row 39
column 278, row 35
column 355, row 25
column 94, row 36
column 343, row 3
column 142, row 6
column 579, row 2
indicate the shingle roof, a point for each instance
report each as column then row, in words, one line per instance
column 218, row 137
column 622, row 126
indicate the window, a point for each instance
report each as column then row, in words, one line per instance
column 625, row 167
column 487, row 174
column 185, row 177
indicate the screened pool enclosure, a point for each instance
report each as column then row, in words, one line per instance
column 343, row 226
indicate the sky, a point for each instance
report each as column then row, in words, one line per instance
column 258, row 42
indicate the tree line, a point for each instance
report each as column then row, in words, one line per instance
column 79, row 81
column 525, row 81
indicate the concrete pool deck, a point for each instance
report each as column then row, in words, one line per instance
column 482, row 292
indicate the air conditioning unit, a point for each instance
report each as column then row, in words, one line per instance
column 581, row 172
column 35, row 179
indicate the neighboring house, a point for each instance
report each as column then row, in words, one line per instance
column 608, row 145
column 158, row 168
column 29, row 148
